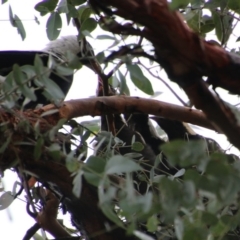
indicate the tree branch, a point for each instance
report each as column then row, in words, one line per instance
column 186, row 58
column 122, row 104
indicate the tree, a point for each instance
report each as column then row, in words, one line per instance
column 135, row 185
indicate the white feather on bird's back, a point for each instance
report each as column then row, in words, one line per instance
column 62, row 45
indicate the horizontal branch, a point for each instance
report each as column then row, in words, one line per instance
column 98, row 106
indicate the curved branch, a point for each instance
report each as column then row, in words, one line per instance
column 186, row 58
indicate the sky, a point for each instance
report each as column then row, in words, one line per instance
column 13, row 221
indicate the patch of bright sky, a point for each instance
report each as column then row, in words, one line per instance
column 13, row 221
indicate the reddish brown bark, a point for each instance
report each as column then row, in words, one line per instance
column 122, row 104
column 186, row 58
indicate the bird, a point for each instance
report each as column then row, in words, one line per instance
column 141, row 123
column 39, row 85
column 177, row 130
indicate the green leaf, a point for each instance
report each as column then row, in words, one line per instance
column 54, row 147
column 11, row 16
column 73, row 60
column 20, row 27
column 77, row 184
column 36, row 20
column 54, row 26
column 20, row 80
column 63, row 7
column 63, row 71
column 46, row 6
column 197, row 4
column 123, row 84
column 209, row 218
column 38, row 148
column 5, row 144
column 95, row 164
column 234, row 5
column 73, row 12
column 137, row 146
column 142, row 235
column 100, row 57
column 194, row 21
column 207, row 24
column 38, row 65
column 132, row 204
column 4, row 1
column 192, row 175
column 179, row 173
column 223, row 26
column 5, row 200
column 176, row 4
column 78, row 2
column 171, row 197
column 52, row 90
column 120, row 164
column 72, row 164
column 93, row 170
column 88, row 25
column 152, row 223
column 179, row 227
column 195, row 232
column 213, row 4
column 107, row 210
column 133, row 155
column 189, row 193
column 184, row 153
column 104, row 37
column 29, row 70
column 84, row 13
column 113, row 81
column 219, row 229
column 139, row 79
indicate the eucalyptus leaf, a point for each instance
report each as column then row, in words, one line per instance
column 89, row 25
column 46, row 6
column 77, row 184
column 120, row 164
column 63, row 6
column 79, row 2
column 105, row 37
column 21, row 82
column 84, row 13
column 6, row 200
column 142, row 236
column 95, row 164
column 176, row 4
column 53, row 90
column 123, row 84
column 11, row 18
column 54, row 26
column 152, row 223
column 137, row 146
column 139, row 79
column 20, row 27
